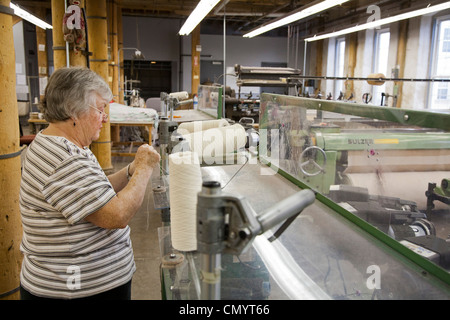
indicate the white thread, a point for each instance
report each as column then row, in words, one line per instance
column 194, row 126
column 213, row 144
column 185, row 181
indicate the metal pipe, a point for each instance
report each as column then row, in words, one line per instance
column 304, row 67
column 285, row 209
column 210, row 276
column 118, row 57
column 224, row 61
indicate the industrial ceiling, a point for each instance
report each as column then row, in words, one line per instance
column 242, row 16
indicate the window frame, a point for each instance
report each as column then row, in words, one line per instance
column 375, row 67
column 339, row 84
column 436, row 30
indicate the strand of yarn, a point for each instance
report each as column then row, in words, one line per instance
column 195, row 126
column 185, row 181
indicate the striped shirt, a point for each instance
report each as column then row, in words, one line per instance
column 64, row 255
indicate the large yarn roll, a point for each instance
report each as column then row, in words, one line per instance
column 217, row 142
column 195, row 126
column 185, row 181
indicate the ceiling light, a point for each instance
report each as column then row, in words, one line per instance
column 315, row 8
column 377, row 23
column 29, row 17
column 202, row 9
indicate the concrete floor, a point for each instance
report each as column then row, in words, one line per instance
column 146, row 284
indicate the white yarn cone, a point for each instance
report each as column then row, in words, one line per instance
column 185, row 181
column 214, row 143
column 194, row 126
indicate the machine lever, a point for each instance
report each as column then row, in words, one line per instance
column 228, row 224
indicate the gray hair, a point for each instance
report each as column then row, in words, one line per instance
column 70, row 91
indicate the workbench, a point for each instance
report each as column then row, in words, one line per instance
column 37, row 124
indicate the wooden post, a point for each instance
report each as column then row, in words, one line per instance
column 401, row 54
column 114, row 48
column 113, row 30
column 59, row 45
column 98, row 45
column 10, row 166
column 195, row 57
column 41, row 40
column 120, row 57
column 352, row 40
column 77, row 58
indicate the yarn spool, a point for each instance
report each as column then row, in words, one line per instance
column 185, row 181
column 195, row 126
column 182, row 95
column 216, row 142
column 374, row 79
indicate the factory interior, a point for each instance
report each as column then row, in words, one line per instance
column 304, row 145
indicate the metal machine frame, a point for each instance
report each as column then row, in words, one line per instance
column 420, row 118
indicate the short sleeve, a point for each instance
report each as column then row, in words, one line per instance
column 77, row 188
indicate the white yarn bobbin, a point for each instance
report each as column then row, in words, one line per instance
column 185, row 181
column 195, row 126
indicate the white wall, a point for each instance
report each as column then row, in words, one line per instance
column 158, row 39
column 417, row 62
column 239, row 50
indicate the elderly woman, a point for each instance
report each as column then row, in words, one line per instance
column 76, row 242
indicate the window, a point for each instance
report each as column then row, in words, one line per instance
column 442, row 91
column 339, row 67
column 380, row 63
column 440, row 68
column 446, row 39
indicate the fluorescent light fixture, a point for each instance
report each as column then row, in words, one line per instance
column 377, row 23
column 315, row 8
column 202, row 9
column 29, row 17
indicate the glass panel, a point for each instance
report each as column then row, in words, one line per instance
column 210, row 100
column 319, row 256
column 392, row 175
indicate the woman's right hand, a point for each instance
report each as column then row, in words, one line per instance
column 146, row 158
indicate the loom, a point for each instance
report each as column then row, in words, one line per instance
column 387, row 161
column 379, row 175
column 381, row 164
column 332, row 249
column 266, row 76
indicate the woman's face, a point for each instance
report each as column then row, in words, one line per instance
column 94, row 119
